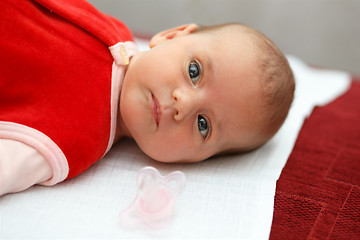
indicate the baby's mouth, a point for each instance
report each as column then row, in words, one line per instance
column 155, row 109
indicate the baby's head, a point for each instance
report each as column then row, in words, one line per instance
column 203, row 91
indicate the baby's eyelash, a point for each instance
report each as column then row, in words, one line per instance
column 194, row 71
column 204, row 126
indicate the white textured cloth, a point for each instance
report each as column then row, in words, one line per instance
column 225, row 197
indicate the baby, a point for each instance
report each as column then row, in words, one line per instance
column 205, row 91
column 198, row 92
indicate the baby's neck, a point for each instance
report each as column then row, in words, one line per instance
column 121, row 129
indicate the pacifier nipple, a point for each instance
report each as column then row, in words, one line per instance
column 154, row 202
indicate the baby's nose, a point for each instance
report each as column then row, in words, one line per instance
column 186, row 103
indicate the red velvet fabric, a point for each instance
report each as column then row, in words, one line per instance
column 318, row 192
column 55, row 73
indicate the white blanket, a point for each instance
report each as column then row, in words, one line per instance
column 225, row 197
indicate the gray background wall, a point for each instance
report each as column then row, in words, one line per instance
column 324, row 33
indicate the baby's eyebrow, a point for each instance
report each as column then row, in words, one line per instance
column 217, row 126
column 208, row 65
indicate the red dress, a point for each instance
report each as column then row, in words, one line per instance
column 59, row 84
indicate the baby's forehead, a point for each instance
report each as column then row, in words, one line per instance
column 239, row 118
column 235, row 44
column 231, row 32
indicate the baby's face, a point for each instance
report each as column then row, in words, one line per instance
column 192, row 97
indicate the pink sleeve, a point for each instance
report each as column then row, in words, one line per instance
column 21, row 167
column 36, row 140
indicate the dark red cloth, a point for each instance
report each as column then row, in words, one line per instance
column 318, row 192
column 55, row 73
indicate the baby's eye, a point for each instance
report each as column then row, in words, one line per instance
column 203, row 126
column 194, row 71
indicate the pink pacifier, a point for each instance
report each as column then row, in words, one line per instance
column 154, row 202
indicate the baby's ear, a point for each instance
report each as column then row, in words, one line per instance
column 172, row 33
